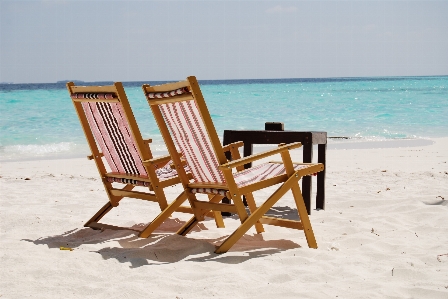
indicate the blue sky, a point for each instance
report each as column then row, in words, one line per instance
column 47, row 41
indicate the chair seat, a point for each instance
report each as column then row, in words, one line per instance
column 252, row 175
column 163, row 173
column 261, row 172
column 128, row 181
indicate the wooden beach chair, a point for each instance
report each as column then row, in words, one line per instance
column 185, row 123
column 121, row 155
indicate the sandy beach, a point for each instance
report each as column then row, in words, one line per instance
column 383, row 234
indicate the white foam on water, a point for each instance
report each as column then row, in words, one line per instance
column 370, row 112
column 42, row 151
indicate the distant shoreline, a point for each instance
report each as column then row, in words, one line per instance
column 234, row 81
column 351, row 144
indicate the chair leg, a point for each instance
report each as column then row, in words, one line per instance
column 252, row 207
column 163, row 215
column 108, row 206
column 218, row 219
column 187, row 227
column 217, row 215
column 303, row 214
column 100, row 214
column 112, row 203
column 163, row 204
column 256, row 215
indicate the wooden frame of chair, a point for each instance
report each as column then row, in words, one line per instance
column 85, row 100
column 165, row 99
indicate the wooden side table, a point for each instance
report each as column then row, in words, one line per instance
column 308, row 139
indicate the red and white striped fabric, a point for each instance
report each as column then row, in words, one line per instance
column 113, row 135
column 106, row 96
column 189, row 134
column 250, row 176
column 261, row 172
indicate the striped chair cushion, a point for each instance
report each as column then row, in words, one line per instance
column 189, row 134
column 128, row 181
column 113, row 135
column 92, row 96
column 251, row 175
column 167, row 94
column 162, row 173
column 261, row 172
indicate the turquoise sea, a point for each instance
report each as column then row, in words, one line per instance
column 38, row 121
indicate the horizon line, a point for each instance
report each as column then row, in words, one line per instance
column 222, row 80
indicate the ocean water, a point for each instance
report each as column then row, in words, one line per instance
column 38, row 121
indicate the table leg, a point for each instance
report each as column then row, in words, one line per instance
column 227, row 140
column 248, row 147
column 306, row 180
column 321, row 158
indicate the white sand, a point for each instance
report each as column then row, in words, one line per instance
column 384, row 234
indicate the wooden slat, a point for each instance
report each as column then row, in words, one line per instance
column 223, row 207
column 133, row 194
column 208, row 185
column 166, row 87
column 184, row 209
column 168, row 182
column 282, row 222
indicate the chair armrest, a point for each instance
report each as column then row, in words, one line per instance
column 163, row 159
column 245, row 160
column 237, row 144
column 91, row 157
column 183, row 162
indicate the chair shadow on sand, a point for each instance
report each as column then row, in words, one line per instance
column 164, row 246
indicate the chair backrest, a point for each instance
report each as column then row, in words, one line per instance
column 192, row 135
column 105, row 114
